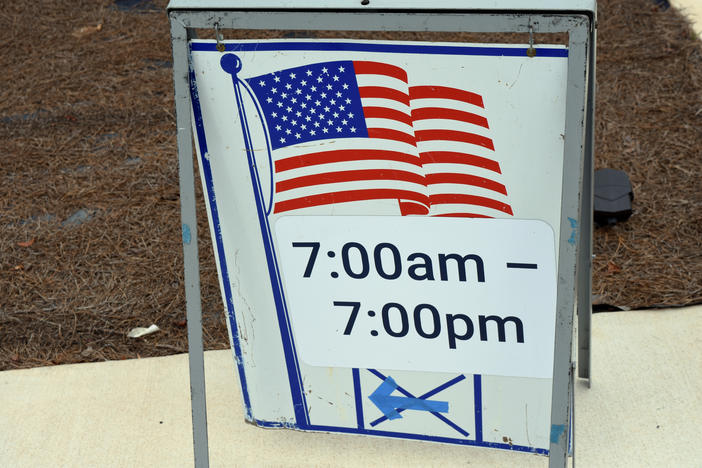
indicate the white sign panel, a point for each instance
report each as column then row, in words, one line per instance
column 415, row 293
column 384, row 215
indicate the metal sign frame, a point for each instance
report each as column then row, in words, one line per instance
column 575, row 251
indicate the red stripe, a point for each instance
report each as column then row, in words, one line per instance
column 349, row 196
column 461, row 215
column 470, row 200
column 384, row 93
column 450, row 157
column 466, row 179
column 389, row 134
column 377, row 68
column 443, row 92
column 412, row 208
column 328, row 157
column 454, row 135
column 386, row 113
column 450, row 114
column 348, row 176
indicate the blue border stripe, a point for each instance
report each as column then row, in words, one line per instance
column 405, row 435
column 478, row 402
column 358, row 397
column 207, row 170
column 384, row 48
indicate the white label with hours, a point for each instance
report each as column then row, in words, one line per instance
column 417, row 293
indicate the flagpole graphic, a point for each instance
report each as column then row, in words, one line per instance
column 231, row 64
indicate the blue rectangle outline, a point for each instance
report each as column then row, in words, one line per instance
column 478, row 406
column 202, row 144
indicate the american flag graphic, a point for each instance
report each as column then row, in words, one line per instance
column 349, row 131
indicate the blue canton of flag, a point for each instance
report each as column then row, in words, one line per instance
column 310, row 103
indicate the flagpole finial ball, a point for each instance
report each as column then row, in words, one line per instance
column 230, row 63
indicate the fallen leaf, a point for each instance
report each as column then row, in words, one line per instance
column 29, row 243
column 86, row 31
column 613, row 268
column 18, row 267
column 15, row 357
column 180, row 323
column 141, row 331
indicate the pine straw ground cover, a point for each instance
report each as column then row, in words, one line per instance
column 89, row 209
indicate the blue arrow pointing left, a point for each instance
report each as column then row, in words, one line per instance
column 389, row 405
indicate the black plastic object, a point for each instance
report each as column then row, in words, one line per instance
column 613, row 196
column 662, row 4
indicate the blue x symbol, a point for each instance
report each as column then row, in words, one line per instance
column 429, row 394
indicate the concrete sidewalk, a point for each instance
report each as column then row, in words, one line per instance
column 644, row 409
column 693, row 10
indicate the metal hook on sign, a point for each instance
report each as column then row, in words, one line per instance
column 218, row 36
column 531, row 51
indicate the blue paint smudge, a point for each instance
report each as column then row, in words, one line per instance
column 572, row 238
column 573, row 235
column 556, row 432
column 391, row 406
column 186, row 234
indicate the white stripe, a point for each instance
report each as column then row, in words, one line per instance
column 387, row 103
column 349, row 186
column 384, row 207
column 446, row 124
column 435, row 210
column 448, row 104
column 457, row 146
column 439, row 189
column 462, row 169
column 391, row 124
column 349, row 166
column 359, row 144
column 383, row 81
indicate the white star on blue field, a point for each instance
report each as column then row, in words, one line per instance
column 309, row 103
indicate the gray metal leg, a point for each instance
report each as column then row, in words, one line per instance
column 189, row 233
column 571, row 217
column 585, row 254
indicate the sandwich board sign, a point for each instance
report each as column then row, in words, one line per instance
column 395, row 223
